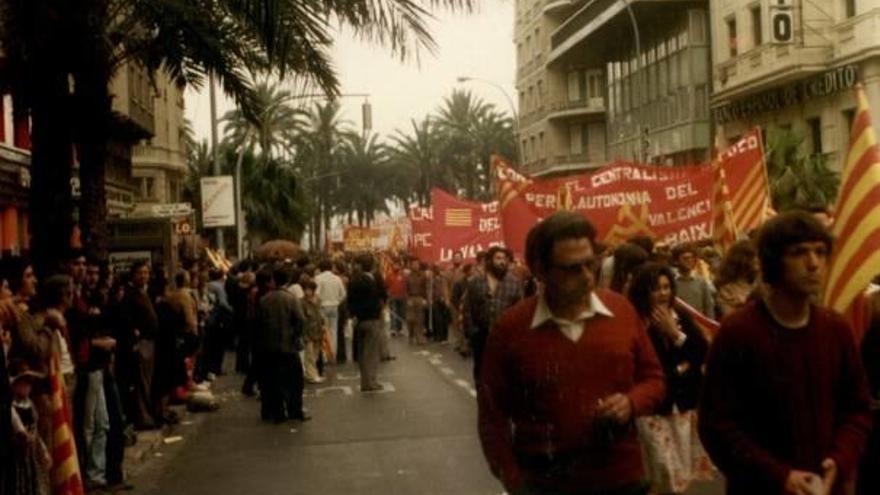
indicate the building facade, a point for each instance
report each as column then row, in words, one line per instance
column 792, row 65
column 586, row 98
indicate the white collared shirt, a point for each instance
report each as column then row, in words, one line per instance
column 572, row 329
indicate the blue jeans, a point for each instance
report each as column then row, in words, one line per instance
column 96, row 424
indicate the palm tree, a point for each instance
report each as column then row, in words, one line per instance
column 418, row 155
column 365, row 185
column 45, row 42
column 797, row 179
column 317, row 161
column 271, row 125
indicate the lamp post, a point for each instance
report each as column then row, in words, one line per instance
column 464, row 79
column 641, row 139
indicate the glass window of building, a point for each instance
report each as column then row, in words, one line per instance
column 541, row 145
column 757, row 28
column 849, row 8
column 697, row 21
column 815, row 127
column 731, row 36
column 575, row 139
column 574, row 89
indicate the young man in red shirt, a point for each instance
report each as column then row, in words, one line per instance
column 564, row 374
column 785, row 407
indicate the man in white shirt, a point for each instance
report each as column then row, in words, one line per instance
column 331, row 292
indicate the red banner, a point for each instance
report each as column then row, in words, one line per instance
column 746, row 176
column 465, row 226
column 621, row 199
column 422, row 227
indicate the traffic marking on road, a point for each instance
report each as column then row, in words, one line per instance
column 447, row 371
column 346, row 377
column 345, row 390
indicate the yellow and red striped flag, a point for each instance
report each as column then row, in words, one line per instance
column 746, row 173
column 856, row 257
column 724, row 230
column 65, row 475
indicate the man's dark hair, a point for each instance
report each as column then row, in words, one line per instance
column 366, row 262
column 683, row 248
column 784, row 230
column 481, row 257
column 325, row 265
column 137, row 265
column 644, row 282
column 281, row 276
column 309, row 285
column 12, row 270
column 264, row 276
column 490, row 254
column 557, row 227
column 180, row 279
column 628, row 258
column 52, row 289
column 215, row 274
column 643, row 242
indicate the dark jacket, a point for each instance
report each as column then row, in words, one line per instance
column 280, row 327
column 683, row 366
column 139, row 314
column 366, row 296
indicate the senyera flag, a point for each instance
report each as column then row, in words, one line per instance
column 65, row 474
column 855, row 260
column 745, row 173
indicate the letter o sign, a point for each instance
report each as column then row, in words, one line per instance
column 782, row 24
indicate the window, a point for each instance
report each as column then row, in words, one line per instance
column 731, row 36
column 757, row 33
column 575, row 139
column 849, row 8
column 541, row 94
column 574, row 86
column 529, row 50
column 848, row 117
column 525, row 149
column 541, row 145
column 815, row 127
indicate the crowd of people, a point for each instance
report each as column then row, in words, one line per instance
column 595, row 370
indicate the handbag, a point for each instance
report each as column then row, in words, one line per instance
column 672, row 451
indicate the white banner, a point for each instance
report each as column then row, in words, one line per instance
column 218, row 201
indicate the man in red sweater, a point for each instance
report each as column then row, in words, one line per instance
column 785, row 407
column 564, row 374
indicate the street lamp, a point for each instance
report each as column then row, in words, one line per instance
column 464, row 79
column 641, row 140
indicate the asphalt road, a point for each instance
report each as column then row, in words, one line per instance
column 418, row 436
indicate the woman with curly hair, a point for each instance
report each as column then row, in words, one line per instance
column 737, row 277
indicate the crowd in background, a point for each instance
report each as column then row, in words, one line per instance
column 131, row 344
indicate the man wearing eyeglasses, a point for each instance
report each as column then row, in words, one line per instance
column 564, row 374
column 489, row 295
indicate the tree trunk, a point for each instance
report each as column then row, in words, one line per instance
column 94, row 105
column 51, row 202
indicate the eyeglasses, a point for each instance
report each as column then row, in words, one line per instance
column 577, row 267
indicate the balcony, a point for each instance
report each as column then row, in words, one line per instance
column 856, row 37
column 565, row 164
column 558, row 9
column 158, row 157
column 766, row 66
column 579, row 108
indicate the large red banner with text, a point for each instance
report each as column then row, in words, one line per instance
column 464, row 226
column 621, row 199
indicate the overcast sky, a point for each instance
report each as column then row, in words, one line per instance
column 477, row 45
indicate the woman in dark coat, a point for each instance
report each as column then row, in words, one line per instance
column 680, row 345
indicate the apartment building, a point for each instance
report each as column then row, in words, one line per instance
column 159, row 163
column 792, row 64
column 585, row 98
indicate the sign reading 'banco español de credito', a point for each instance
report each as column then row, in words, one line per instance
column 825, row 84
